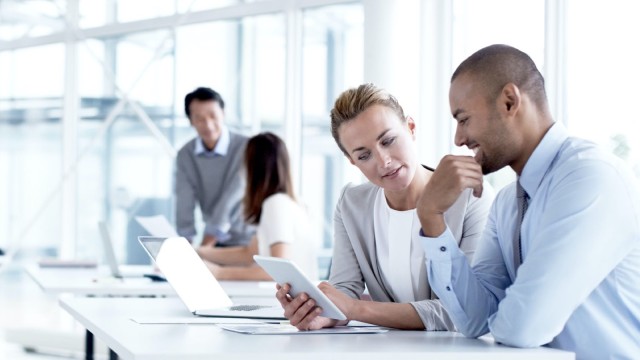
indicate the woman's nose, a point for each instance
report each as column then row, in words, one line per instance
column 383, row 158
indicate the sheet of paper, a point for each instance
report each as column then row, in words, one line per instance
column 192, row 320
column 66, row 263
column 280, row 329
column 357, row 323
column 157, row 225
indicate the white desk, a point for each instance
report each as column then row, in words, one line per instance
column 109, row 320
column 98, row 282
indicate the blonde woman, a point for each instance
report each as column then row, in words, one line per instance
column 376, row 240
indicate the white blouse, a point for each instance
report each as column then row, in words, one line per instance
column 399, row 252
column 284, row 220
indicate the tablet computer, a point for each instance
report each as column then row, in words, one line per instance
column 284, row 271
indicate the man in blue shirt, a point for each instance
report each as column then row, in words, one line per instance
column 208, row 174
column 564, row 275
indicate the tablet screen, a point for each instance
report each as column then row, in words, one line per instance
column 284, row 271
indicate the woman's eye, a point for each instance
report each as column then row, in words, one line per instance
column 363, row 156
column 389, row 141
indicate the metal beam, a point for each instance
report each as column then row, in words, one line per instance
column 196, row 17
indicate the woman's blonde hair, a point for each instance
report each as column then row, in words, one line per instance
column 354, row 101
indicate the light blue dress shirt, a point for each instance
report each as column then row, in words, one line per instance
column 578, row 287
column 221, row 149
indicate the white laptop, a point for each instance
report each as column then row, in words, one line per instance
column 195, row 284
column 157, row 225
column 110, row 255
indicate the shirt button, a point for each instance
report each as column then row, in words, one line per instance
column 443, row 249
column 448, row 288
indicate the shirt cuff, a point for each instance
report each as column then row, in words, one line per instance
column 221, row 235
column 441, row 248
column 187, row 233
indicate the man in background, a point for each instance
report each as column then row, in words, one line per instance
column 208, row 174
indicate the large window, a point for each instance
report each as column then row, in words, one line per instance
column 332, row 61
column 30, row 146
column 27, row 19
column 129, row 65
column 91, row 92
column 602, row 75
column 126, row 118
column 477, row 24
column 133, row 113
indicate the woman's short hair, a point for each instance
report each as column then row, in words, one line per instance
column 266, row 161
column 354, row 101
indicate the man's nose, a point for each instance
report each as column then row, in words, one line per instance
column 459, row 139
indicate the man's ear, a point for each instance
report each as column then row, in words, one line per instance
column 510, row 99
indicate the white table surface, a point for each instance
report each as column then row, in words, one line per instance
column 99, row 282
column 109, row 319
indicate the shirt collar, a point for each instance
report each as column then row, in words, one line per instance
column 538, row 164
column 221, row 148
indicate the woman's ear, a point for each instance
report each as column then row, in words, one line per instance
column 411, row 124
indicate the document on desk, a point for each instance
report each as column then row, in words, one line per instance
column 286, row 329
column 157, row 225
column 192, row 320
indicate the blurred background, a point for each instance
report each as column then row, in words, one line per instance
column 91, row 94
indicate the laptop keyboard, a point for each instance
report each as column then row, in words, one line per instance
column 247, row 307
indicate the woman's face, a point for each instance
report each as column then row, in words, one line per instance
column 382, row 146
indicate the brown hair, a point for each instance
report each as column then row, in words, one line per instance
column 354, row 101
column 266, row 161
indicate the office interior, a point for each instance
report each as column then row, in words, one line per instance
column 91, row 103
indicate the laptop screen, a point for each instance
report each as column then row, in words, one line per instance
column 185, row 272
column 152, row 245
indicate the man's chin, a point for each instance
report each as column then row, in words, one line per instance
column 486, row 170
column 489, row 168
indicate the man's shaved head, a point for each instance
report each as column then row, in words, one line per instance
column 497, row 65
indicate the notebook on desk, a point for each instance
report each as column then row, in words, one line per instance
column 195, row 284
column 110, row 256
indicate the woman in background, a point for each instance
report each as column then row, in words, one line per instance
column 269, row 202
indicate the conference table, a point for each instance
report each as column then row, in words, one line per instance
column 120, row 323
